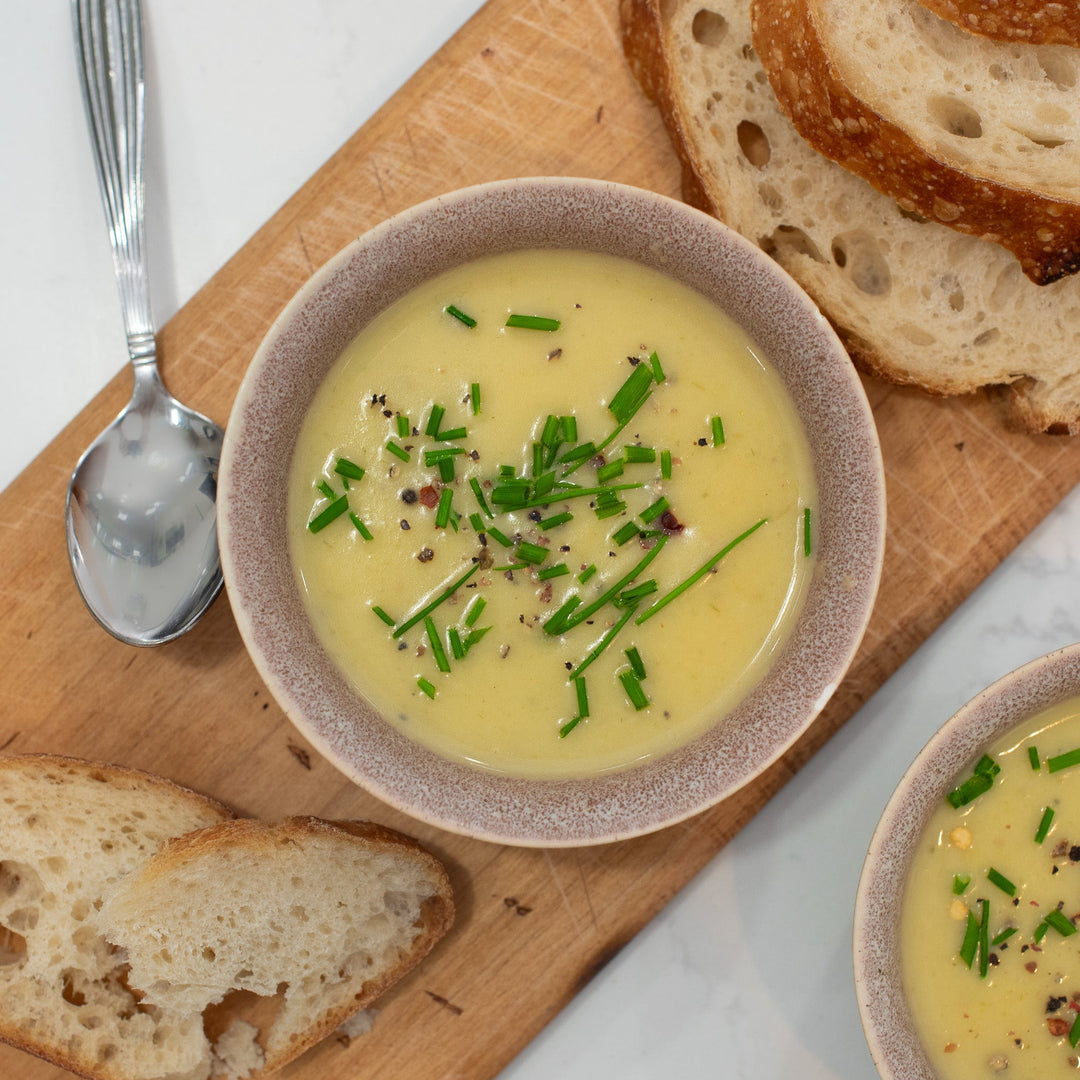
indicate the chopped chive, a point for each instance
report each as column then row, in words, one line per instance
column 1044, row 825
column 617, row 507
column 959, row 883
column 969, row 790
column 475, row 610
column 537, row 459
column 446, row 470
column 326, row 490
column 552, row 428
column 437, row 650
column 474, row 398
column 986, row 764
column 696, row 576
column 651, row 513
column 569, row 726
column 1033, row 757
column 427, row 609
column 345, row 467
column 610, row 470
column 382, row 615
column 657, row 370
column 1003, row 935
column 426, row 687
column 442, row 453
column 637, row 665
column 478, row 491
column 434, row 420
column 569, row 428
column 451, row 434
column 632, row 596
column 630, row 396
column 625, row 534
column 622, row 424
column 533, row 554
column 603, row 643
column 806, row 534
column 1074, row 1031
column 533, row 322
column 995, row 877
column 614, row 590
column 971, row 940
column 457, row 650
column 477, row 522
column 984, row 939
column 717, row 426
column 636, row 455
column 513, row 495
column 334, row 510
column 633, row 690
column 460, row 315
column 360, row 527
column 507, row 470
column 499, row 536
column 554, row 571
column 582, row 696
column 557, row 623
column 555, row 520
column 1056, row 921
column 1063, row 761
column 1040, row 931
column 665, row 464
column 403, row 426
column 396, row 450
column 587, row 573
column 578, row 454
column 544, row 485
column 442, row 514
column 473, row 636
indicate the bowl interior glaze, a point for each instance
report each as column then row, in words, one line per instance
column 886, row 1018
column 379, row 268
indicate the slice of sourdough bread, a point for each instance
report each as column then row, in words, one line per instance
column 69, row 830
column 1034, row 21
column 978, row 135
column 914, row 301
column 322, row 916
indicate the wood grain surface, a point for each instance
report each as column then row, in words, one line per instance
column 525, row 88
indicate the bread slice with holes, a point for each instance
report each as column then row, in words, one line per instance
column 69, row 831
column 978, row 135
column 319, row 917
column 1037, row 22
column 915, row 302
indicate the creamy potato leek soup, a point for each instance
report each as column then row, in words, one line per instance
column 990, row 953
column 552, row 514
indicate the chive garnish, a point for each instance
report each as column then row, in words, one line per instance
column 442, row 514
column 451, row 434
column 426, row 687
column 457, row 650
column 360, row 527
column 382, row 615
column 971, row 940
column 657, row 370
column 579, row 453
column 637, row 455
column 478, row 491
column 807, row 542
column 544, row 485
column 558, row 622
column 632, row 596
column 477, row 522
column 533, row 322
column 633, row 690
column 1074, row 1031
column 569, row 428
column 345, row 467
column 396, row 450
column 554, row 571
column 665, row 464
column 507, row 471
column 631, row 395
column 446, row 469
column 637, row 665
column 499, row 536
column 442, row 453
column 604, row 642
column 1063, row 761
column 326, row 490
column 555, row 520
column 460, row 315
column 651, row 513
column 1044, row 825
column 980, row 781
column 1056, row 921
column 717, row 426
column 473, row 636
column 587, row 573
column 334, row 510
column 984, row 939
column 441, row 660
column 582, row 696
column 552, row 428
column 533, row 554
column 1033, row 757
column 1040, row 931
column 625, row 534
column 434, row 420
column 569, row 726
column 474, row 398
column 427, row 609
column 475, row 610
column 1003, row 935
column 403, row 426
column 610, row 470
column 696, row 576
column 995, row 877
column 959, row 883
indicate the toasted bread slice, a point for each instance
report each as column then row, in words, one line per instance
column 974, row 134
column 69, row 830
column 914, row 301
column 321, row 915
column 1035, row 21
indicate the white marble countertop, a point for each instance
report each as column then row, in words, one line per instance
column 747, row 973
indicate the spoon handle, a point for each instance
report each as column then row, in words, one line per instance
column 108, row 49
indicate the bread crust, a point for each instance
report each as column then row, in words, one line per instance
column 1041, row 231
column 1033, row 21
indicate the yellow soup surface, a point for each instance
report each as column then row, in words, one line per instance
column 486, row 676
column 1015, row 1007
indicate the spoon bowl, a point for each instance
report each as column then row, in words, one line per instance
column 141, row 505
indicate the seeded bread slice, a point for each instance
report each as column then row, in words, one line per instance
column 69, row 830
column 1034, row 21
column 978, row 135
column 914, row 301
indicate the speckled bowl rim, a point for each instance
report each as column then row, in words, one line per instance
column 890, row 1033
column 560, row 212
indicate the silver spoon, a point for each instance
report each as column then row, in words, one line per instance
column 141, row 520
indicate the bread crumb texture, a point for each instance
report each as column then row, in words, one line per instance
column 135, row 915
column 915, row 301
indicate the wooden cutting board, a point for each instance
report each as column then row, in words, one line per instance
column 525, row 88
